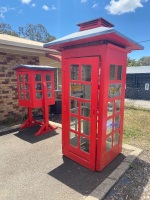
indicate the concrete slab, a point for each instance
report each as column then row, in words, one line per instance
column 34, row 168
column 101, row 190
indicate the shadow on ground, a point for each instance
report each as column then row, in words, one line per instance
column 28, row 134
column 80, row 178
column 9, row 131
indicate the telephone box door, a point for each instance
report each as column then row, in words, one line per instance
column 80, row 94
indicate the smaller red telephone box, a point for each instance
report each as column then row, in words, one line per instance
column 36, row 89
column 94, row 61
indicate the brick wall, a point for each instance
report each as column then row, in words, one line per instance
column 8, row 88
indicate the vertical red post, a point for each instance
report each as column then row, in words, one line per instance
column 46, row 125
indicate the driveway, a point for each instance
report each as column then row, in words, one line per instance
column 137, row 103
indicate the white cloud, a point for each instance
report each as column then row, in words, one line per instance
column 95, row 5
column 53, row 7
column 83, row 1
column 124, row 6
column 2, row 15
column 44, row 7
column 33, row 5
column 4, row 10
column 26, row 1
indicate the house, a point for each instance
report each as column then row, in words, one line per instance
column 15, row 51
column 138, row 83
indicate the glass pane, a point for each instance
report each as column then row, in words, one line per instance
column 26, row 77
column 49, row 94
column 48, row 77
column 74, row 105
column 112, row 72
column 73, row 139
column 27, row 96
column 84, row 144
column 20, row 78
column 80, row 90
column 21, row 86
column 119, row 76
column 21, row 95
column 39, row 95
column 109, row 143
column 38, row 86
column 109, row 125
column 114, row 90
column 38, row 77
column 85, row 127
column 110, row 108
column 74, row 123
column 85, row 109
column 117, row 122
column 26, row 86
column 74, row 72
column 49, row 85
column 118, row 102
column 116, row 139
column 75, row 90
column 86, row 73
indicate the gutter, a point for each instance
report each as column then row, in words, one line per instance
column 26, row 47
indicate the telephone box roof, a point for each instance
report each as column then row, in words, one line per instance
column 35, row 67
column 94, row 33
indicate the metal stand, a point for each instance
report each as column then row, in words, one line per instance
column 30, row 121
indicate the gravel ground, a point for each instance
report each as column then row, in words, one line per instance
column 135, row 183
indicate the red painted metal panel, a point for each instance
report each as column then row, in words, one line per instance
column 36, row 89
column 34, row 101
column 107, row 150
column 86, row 158
column 110, row 55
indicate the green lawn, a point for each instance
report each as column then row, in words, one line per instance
column 137, row 127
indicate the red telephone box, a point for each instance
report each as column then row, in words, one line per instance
column 94, row 64
column 36, row 89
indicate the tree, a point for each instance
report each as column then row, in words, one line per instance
column 144, row 61
column 6, row 29
column 33, row 32
column 132, row 62
column 36, row 32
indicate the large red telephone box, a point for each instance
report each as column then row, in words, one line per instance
column 35, row 90
column 94, row 64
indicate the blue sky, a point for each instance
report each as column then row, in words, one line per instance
column 130, row 17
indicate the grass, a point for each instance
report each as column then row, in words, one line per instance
column 137, row 127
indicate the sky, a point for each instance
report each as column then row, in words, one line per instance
column 59, row 17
